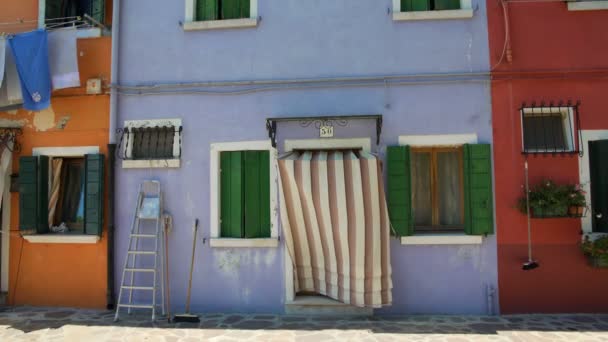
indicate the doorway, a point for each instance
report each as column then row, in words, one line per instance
column 598, row 167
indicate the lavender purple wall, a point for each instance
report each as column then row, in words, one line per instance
column 301, row 39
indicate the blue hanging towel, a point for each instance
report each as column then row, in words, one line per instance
column 32, row 59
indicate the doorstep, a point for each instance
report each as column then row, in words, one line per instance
column 323, row 306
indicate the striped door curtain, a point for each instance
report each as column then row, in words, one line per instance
column 336, row 225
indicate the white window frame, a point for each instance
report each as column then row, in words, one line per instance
column 215, row 211
column 151, row 163
column 597, row 5
column 465, row 12
column 439, row 141
column 585, row 179
column 190, row 24
column 89, row 32
column 62, row 152
column 567, row 114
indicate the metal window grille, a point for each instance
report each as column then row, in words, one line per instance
column 150, row 143
column 550, row 129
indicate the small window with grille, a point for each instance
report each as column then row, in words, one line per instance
column 547, row 130
column 151, row 143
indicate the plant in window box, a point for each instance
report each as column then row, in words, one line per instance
column 547, row 199
column 596, row 251
column 576, row 200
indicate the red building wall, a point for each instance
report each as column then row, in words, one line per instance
column 557, row 55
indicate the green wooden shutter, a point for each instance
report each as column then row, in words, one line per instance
column 478, row 189
column 257, row 194
column 447, row 5
column 43, row 194
column 231, row 194
column 399, row 189
column 207, row 10
column 93, row 194
column 28, row 195
column 415, row 5
column 96, row 9
column 235, row 9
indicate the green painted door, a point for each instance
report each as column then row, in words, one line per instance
column 598, row 165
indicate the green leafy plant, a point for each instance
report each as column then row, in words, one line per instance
column 596, row 250
column 547, row 199
column 576, row 195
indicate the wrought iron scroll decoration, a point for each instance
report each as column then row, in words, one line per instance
column 318, row 122
column 8, row 138
column 574, row 132
column 126, row 135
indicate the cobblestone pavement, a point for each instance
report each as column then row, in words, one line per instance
column 52, row 324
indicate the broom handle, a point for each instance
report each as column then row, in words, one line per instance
column 191, row 267
column 528, row 211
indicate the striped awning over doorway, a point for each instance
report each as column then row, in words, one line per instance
column 336, row 225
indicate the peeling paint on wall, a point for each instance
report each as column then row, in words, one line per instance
column 469, row 254
column 44, row 119
column 62, row 122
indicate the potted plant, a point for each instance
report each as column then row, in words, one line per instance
column 596, row 251
column 547, row 199
column 576, row 200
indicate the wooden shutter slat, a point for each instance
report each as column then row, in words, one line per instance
column 399, row 189
column 257, row 194
column 206, row 10
column 231, row 194
column 93, row 194
column 28, row 195
column 43, row 195
column 479, row 217
column 415, row 5
column 447, row 5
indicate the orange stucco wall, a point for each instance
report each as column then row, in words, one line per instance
column 71, row 275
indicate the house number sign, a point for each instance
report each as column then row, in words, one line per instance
column 326, row 131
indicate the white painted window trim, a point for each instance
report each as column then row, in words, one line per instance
column 62, row 238
column 190, row 24
column 89, row 32
column 214, row 186
column 439, row 140
column 442, row 239
column 585, row 176
column 567, row 114
column 63, row 151
column 151, row 163
column 364, row 144
column 465, row 12
column 587, row 5
column 6, row 227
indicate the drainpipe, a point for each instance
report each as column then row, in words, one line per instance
column 110, row 295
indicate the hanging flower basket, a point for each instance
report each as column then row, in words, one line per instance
column 576, row 211
column 541, row 212
column 551, row 200
column 596, row 251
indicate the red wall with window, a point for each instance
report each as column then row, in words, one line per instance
column 557, row 55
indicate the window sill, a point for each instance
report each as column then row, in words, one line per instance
column 220, row 24
column 91, row 32
column 155, row 164
column 62, row 238
column 587, row 5
column 433, row 15
column 244, row 243
column 442, row 239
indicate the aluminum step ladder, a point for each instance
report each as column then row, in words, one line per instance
column 141, row 261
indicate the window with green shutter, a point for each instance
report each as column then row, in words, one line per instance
column 74, row 206
column 245, row 194
column 429, row 5
column 439, row 189
column 61, row 10
column 222, row 9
